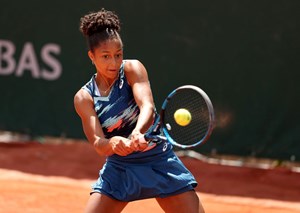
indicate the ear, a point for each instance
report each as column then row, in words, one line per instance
column 91, row 56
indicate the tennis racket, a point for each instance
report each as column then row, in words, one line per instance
column 186, row 118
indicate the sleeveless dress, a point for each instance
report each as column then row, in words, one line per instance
column 157, row 172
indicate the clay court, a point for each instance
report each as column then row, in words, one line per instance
column 46, row 178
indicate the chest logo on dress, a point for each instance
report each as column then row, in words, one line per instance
column 121, row 83
column 165, row 146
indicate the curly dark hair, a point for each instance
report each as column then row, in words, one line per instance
column 100, row 26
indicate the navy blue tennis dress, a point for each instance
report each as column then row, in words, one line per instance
column 156, row 172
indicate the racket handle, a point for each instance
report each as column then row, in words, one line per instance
column 142, row 140
column 153, row 138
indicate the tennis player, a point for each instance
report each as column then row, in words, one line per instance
column 116, row 107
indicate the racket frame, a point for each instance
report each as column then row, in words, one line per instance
column 159, row 122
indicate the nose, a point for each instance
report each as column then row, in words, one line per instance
column 113, row 61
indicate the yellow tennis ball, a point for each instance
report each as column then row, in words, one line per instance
column 182, row 117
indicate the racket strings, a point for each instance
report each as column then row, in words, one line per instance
column 197, row 129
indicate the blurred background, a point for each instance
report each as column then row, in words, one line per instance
column 244, row 54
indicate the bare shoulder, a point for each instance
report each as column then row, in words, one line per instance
column 135, row 71
column 81, row 94
column 81, row 97
column 133, row 65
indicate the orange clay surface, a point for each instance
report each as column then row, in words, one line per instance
column 46, row 178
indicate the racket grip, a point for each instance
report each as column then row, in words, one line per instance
column 142, row 139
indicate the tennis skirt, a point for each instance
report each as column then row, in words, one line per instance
column 156, row 176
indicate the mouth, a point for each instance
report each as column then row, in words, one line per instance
column 113, row 69
column 113, row 73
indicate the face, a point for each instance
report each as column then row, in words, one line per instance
column 107, row 58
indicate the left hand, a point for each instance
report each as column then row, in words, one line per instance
column 138, row 145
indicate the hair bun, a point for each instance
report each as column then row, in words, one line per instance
column 96, row 22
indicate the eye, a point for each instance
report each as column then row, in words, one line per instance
column 105, row 56
column 119, row 55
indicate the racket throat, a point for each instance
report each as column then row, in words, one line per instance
column 155, row 138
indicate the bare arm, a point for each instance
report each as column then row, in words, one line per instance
column 137, row 77
column 84, row 107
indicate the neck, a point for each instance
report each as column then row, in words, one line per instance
column 104, row 84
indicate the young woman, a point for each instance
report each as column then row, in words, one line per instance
column 116, row 108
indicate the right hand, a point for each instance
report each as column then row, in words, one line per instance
column 121, row 146
column 138, row 144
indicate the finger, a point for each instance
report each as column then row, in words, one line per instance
column 134, row 145
column 120, row 149
column 143, row 146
